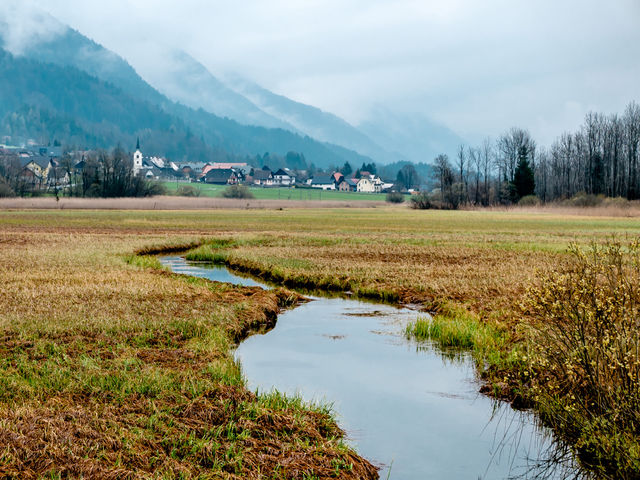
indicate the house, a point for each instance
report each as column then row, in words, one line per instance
column 264, row 178
column 30, row 178
column 51, row 152
column 205, row 170
column 325, row 182
column 365, row 185
column 58, row 177
column 192, row 170
column 348, row 185
column 38, row 164
column 221, row 176
column 337, row 177
column 236, row 166
column 284, row 178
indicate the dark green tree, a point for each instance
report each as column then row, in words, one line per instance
column 346, row 169
column 523, row 179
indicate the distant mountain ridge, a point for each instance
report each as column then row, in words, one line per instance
column 311, row 120
column 236, row 115
column 183, row 79
column 117, row 86
column 413, row 137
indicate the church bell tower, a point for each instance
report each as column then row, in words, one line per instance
column 137, row 159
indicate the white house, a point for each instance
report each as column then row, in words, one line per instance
column 365, row 185
column 284, row 178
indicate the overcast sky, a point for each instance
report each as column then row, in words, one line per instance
column 478, row 67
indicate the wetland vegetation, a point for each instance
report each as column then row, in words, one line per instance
column 129, row 366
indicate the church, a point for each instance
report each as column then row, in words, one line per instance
column 137, row 160
column 153, row 167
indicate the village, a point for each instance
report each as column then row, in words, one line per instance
column 39, row 169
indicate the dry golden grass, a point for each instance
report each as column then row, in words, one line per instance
column 629, row 209
column 118, row 337
column 110, row 370
column 172, row 203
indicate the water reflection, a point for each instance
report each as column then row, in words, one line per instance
column 413, row 409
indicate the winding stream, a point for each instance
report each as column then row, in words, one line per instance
column 408, row 407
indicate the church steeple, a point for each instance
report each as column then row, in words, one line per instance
column 137, row 159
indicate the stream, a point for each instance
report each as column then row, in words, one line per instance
column 407, row 406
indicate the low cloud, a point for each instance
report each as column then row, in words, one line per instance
column 24, row 25
column 478, row 67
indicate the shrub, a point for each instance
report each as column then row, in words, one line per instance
column 529, row 201
column 395, row 197
column 152, row 188
column 188, row 191
column 421, row 201
column 616, row 202
column 237, row 191
column 582, row 199
column 586, row 350
column 6, row 190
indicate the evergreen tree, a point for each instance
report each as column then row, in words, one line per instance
column 346, row 169
column 523, row 179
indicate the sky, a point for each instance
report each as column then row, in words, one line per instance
column 477, row 67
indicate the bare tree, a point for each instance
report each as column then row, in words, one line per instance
column 462, row 164
column 487, row 154
column 509, row 145
column 475, row 158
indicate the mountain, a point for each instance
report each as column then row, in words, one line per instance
column 183, row 79
column 310, row 120
column 116, row 87
column 46, row 102
column 412, row 137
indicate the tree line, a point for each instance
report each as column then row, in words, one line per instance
column 601, row 158
column 99, row 174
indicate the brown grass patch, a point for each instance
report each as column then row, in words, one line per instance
column 108, row 370
column 173, row 203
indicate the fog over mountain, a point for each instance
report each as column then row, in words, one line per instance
column 478, row 68
column 64, row 86
column 397, row 81
column 183, row 79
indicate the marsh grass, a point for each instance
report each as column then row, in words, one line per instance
column 72, row 303
column 113, row 368
column 460, row 330
column 145, row 261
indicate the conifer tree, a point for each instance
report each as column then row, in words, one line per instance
column 523, row 178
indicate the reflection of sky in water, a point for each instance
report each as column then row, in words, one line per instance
column 399, row 402
column 212, row 272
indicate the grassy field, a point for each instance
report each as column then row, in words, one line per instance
column 282, row 193
column 128, row 357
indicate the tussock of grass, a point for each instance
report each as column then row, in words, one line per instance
column 207, row 253
column 145, row 261
column 461, row 330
